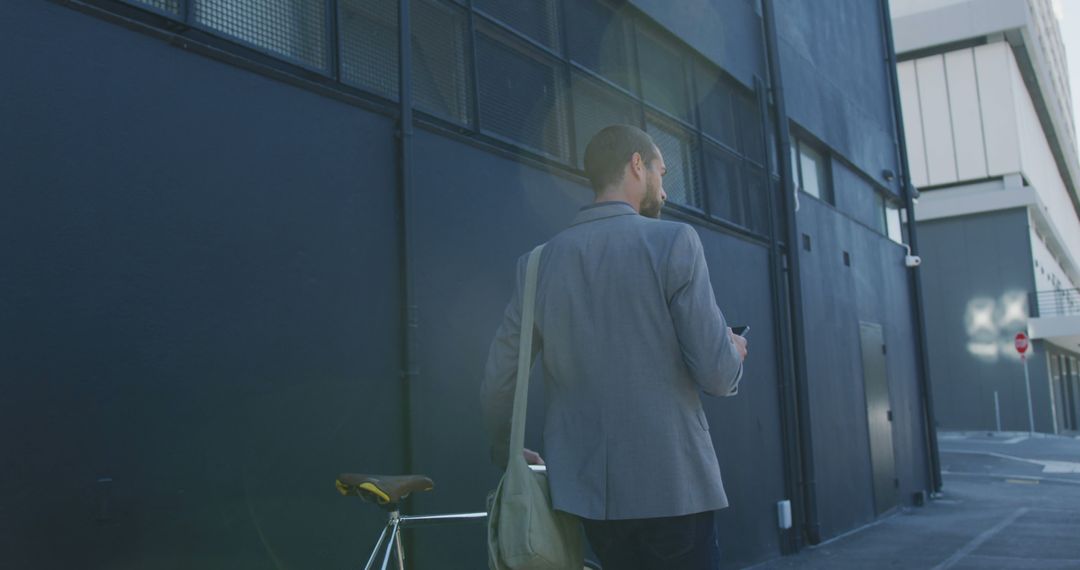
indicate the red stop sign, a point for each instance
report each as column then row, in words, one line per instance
column 1021, row 343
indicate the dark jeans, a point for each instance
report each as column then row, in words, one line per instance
column 671, row 543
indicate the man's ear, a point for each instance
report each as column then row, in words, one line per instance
column 637, row 165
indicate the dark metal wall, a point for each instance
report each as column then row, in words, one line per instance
column 871, row 289
column 974, row 266
column 836, row 78
column 835, row 69
column 468, row 238
column 204, row 298
column 200, row 306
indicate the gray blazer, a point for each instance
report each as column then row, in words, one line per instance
column 629, row 333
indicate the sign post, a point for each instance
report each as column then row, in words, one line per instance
column 1021, row 347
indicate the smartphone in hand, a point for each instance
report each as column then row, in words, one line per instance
column 741, row 330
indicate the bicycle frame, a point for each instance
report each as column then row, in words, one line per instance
column 396, row 523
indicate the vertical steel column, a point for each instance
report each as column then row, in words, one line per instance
column 806, row 443
column 933, row 456
column 788, row 411
column 332, row 55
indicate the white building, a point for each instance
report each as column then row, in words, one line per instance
column 992, row 148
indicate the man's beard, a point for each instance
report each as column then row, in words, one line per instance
column 651, row 204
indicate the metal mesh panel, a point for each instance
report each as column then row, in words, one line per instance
column 680, row 155
column 537, row 19
column 714, row 102
column 368, row 52
column 440, row 70
column 521, row 95
column 596, row 107
column 598, row 38
column 663, row 81
column 757, row 199
column 751, row 142
column 724, row 183
column 293, row 29
column 170, row 6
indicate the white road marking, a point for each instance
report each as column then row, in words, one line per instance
column 1048, row 466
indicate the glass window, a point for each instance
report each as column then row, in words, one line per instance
column 521, row 93
column 749, row 117
column 724, row 183
column 536, row 19
column 893, row 226
column 440, row 69
column 597, row 106
column 757, row 198
column 292, row 29
column 795, row 175
column 814, row 173
column 599, row 39
column 368, row 45
column 714, row 102
column 680, row 152
column 663, row 79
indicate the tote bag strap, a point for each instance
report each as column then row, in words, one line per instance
column 521, row 392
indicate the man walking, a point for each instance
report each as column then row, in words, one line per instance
column 629, row 334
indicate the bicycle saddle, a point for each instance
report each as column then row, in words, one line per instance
column 383, row 489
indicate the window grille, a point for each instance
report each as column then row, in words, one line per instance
column 663, row 79
column 757, row 198
column 680, row 156
column 598, row 38
column 714, row 103
column 368, row 52
column 597, row 106
column 537, row 19
column 724, row 183
column 440, row 68
column 292, row 29
column 169, row 6
column 749, row 118
column 521, row 94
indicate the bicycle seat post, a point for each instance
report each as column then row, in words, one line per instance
column 393, row 542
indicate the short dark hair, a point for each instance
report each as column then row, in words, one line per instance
column 609, row 151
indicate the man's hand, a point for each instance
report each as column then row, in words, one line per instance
column 740, row 344
column 532, row 457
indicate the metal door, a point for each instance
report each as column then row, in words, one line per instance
column 878, row 416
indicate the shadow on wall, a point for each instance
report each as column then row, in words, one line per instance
column 991, row 325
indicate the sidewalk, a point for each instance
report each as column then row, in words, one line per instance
column 1009, row 502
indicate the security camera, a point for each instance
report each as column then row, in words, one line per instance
column 911, row 260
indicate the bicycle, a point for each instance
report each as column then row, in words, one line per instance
column 387, row 491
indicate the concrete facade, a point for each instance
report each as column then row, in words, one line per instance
column 989, row 125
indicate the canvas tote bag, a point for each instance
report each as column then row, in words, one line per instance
column 524, row 532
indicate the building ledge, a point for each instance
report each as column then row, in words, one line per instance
column 1064, row 331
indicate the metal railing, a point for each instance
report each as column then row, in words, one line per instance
column 1058, row 303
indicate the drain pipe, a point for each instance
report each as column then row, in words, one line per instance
column 933, row 459
column 410, row 365
column 811, row 524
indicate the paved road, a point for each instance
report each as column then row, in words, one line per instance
column 1009, row 502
